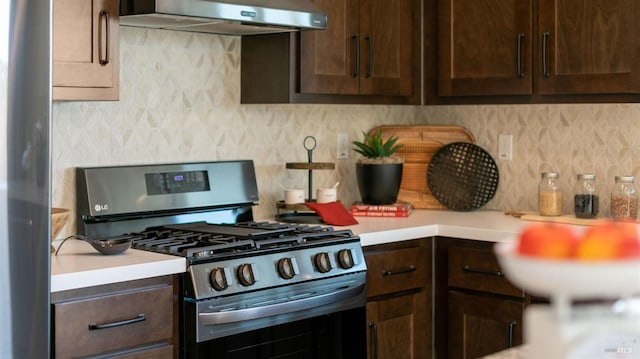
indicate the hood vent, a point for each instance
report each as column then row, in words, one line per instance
column 229, row 17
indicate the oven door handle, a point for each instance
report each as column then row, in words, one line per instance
column 279, row 308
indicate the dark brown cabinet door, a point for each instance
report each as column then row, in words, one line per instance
column 368, row 48
column 399, row 300
column 328, row 57
column 398, row 327
column 485, row 47
column 589, row 46
column 387, row 31
column 480, row 326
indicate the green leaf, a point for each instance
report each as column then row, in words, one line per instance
column 374, row 146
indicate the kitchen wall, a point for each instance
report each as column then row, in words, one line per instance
column 179, row 101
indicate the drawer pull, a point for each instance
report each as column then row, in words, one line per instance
column 370, row 66
column 356, row 71
column 139, row 318
column 104, row 60
column 519, row 71
column 409, row 269
column 374, row 339
column 545, row 68
column 512, row 325
column 468, row 269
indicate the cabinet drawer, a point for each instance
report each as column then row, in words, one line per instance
column 164, row 351
column 478, row 269
column 113, row 322
column 396, row 270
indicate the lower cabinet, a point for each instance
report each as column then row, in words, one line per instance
column 480, row 325
column 125, row 320
column 478, row 311
column 399, row 300
column 398, row 327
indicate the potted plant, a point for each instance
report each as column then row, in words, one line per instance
column 379, row 171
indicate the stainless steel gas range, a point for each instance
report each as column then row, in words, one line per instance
column 252, row 289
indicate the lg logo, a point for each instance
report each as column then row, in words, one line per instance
column 101, row 207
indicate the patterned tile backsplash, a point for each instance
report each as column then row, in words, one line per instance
column 179, row 101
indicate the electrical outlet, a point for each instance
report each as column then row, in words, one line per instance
column 505, row 147
column 342, row 146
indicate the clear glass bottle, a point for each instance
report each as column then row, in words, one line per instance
column 585, row 199
column 624, row 199
column 549, row 195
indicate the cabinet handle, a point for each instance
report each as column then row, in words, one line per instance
column 519, row 55
column 103, row 60
column 468, row 269
column 356, row 41
column 409, row 269
column 545, row 70
column 512, row 325
column 370, row 65
column 374, row 339
column 139, row 318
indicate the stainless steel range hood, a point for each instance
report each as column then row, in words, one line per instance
column 230, row 17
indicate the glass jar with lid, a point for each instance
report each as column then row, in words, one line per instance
column 550, row 195
column 586, row 200
column 624, row 199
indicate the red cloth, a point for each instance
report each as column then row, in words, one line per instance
column 332, row 213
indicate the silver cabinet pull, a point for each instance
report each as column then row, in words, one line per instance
column 104, row 15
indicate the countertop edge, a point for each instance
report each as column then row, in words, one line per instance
column 110, row 275
column 80, row 267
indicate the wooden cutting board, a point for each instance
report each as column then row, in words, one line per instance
column 420, row 143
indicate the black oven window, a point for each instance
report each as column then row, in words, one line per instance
column 335, row 336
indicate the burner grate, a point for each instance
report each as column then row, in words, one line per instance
column 199, row 240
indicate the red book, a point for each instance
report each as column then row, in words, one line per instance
column 402, row 207
column 380, row 213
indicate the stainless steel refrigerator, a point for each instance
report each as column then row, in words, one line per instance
column 25, row 111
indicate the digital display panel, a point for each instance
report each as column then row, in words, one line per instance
column 176, row 182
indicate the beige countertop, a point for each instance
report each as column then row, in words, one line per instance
column 78, row 265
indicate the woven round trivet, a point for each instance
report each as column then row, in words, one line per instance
column 462, row 176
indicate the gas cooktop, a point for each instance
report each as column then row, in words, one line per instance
column 202, row 241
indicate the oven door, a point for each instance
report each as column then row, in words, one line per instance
column 319, row 319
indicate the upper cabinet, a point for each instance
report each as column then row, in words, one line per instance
column 366, row 50
column 588, row 46
column 369, row 53
column 481, row 52
column 562, row 47
column 85, row 50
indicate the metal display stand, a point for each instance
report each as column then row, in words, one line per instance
column 299, row 213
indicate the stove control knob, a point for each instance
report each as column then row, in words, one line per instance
column 245, row 274
column 345, row 259
column 322, row 262
column 218, row 279
column 287, row 268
